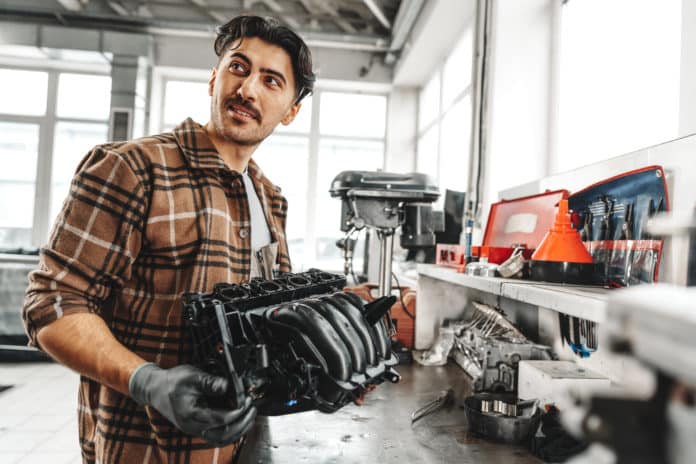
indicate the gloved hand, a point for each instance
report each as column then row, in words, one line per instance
column 181, row 394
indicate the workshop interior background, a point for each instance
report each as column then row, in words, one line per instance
column 492, row 99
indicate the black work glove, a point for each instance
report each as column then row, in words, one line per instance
column 181, row 394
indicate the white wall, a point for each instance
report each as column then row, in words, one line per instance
column 687, row 101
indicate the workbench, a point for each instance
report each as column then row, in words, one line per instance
column 380, row 430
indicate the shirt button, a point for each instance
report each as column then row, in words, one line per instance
column 243, row 233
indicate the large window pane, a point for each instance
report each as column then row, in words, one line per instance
column 454, row 146
column 23, row 92
column 83, row 96
column 72, row 142
column 18, row 154
column 303, row 120
column 336, row 156
column 284, row 160
column 350, row 114
column 429, row 102
column 619, row 78
column 426, row 161
column 185, row 99
column 456, row 75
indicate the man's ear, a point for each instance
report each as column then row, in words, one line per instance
column 211, row 81
column 290, row 115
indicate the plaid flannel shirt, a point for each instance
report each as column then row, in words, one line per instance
column 146, row 221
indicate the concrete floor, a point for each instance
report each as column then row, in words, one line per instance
column 38, row 415
column 38, row 424
column 380, row 430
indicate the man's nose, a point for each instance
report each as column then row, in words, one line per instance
column 248, row 88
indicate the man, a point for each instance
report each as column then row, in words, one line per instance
column 148, row 220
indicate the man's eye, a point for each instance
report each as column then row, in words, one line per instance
column 273, row 81
column 237, row 67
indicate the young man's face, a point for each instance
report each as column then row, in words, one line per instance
column 252, row 90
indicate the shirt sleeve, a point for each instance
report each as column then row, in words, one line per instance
column 93, row 243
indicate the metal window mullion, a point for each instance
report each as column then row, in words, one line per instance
column 440, row 117
column 312, row 171
column 81, row 120
column 20, row 118
column 350, row 138
column 385, row 140
column 42, row 198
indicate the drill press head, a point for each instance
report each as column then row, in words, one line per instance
column 385, row 201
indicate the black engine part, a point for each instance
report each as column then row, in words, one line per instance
column 294, row 343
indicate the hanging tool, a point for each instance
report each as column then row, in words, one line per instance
column 586, row 232
column 606, row 232
column 627, row 227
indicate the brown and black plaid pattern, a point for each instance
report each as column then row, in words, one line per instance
column 146, row 221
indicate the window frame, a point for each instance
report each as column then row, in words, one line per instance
column 41, row 220
column 443, row 108
column 161, row 75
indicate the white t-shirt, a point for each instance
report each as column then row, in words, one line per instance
column 260, row 235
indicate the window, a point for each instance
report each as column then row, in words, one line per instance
column 444, row 119
column 301, row 158
column 18, row 155
column 73, row 140
column 429, row 102
column 39, row 128
column 285, row 160
column 456, row 74
column 366, row 113
column 303, row 121
column 357, row 146
column 454, row 146
column 83, row 96
column 428, row 152
column 185, row 99
column 29, row 102
column 619, row 84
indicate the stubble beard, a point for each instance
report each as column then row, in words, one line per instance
column 229, row 132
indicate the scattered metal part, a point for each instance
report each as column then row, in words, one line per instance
column 508, row 420
column 488, row 348
column 514, row 265
column 445, row 399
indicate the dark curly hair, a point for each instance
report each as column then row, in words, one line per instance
column 271, row 31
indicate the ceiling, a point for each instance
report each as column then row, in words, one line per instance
column 374, row 25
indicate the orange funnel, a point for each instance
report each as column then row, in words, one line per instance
column 562, row 243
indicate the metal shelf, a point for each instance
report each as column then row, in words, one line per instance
column 580, row 301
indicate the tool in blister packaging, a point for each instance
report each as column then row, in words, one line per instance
column 607, row 211
column 621, row 263
column 627, row 226
column 586, row 231
column 445, row 399
column 613, row 217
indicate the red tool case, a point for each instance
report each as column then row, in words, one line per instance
column 520, row 221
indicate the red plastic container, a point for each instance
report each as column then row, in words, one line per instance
column 520, row 221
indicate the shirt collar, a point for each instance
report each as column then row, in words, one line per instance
column 200, row 153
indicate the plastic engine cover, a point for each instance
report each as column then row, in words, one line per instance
column 294, row 343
